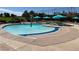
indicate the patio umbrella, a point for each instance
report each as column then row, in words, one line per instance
column 75, row 17
column 46, row 17
column 58, row 17
column 37, row 17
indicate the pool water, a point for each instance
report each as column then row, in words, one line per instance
column 26, row 29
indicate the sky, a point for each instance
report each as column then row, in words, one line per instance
column 49, row 10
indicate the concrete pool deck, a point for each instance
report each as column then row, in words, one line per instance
column 66, row 39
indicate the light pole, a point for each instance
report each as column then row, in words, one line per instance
column 72, row 13
column 31, row 17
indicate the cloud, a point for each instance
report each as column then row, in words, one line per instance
column 10, row 11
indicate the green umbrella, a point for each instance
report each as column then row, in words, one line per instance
column 75, row 17
column 58, row 17
column 36, row 17
column 46, row 17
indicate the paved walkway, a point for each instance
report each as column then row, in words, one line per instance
column 65, row 39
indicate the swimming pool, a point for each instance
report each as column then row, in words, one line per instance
column 26, row 29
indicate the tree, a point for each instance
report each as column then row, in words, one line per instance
column 12, row 15
column 31, row 16
column 1, row 15
column 41, row 14
column 26, row 15
column 32, row 12
column 6, row 14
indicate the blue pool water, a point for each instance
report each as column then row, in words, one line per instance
column 26, row 29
